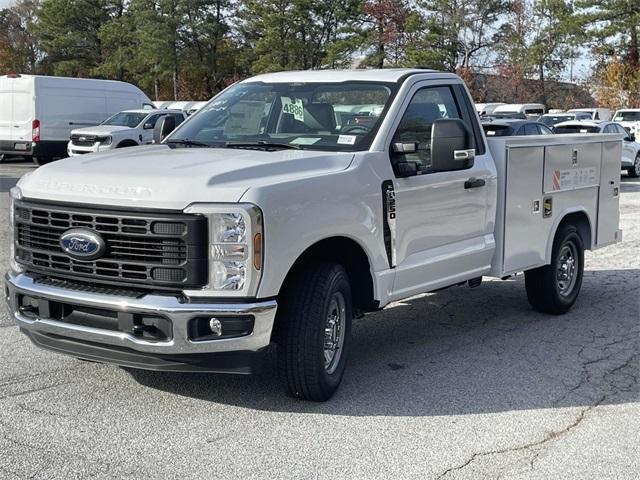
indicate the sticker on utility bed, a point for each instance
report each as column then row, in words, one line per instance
column 574, row 178
column 294, row 107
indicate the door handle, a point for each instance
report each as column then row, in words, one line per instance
column 474, row 183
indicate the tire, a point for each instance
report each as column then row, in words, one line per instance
column 635, row 170
column 42, row 160
column 316, row 296
column 554, row 288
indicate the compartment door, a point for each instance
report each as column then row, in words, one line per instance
column 609, row 194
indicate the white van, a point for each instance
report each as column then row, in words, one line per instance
column 38, row 113
column 598, row 114
column 531, row 110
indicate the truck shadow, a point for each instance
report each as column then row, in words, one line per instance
column 465, row 351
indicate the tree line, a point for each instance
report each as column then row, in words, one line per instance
column 193, row 48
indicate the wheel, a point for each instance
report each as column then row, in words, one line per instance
column 635, row 170
column 314, row 329
column 554, row 288
column 42, row 160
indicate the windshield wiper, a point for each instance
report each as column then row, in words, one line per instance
column 186, row 142
column 262, row 144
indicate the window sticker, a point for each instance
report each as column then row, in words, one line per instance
column 294, row 107
column 347, row 139
column 304, row 141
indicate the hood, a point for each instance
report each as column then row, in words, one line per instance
column 157, row 176
column 99, row 130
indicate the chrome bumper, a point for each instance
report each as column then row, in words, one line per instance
column 171, row 308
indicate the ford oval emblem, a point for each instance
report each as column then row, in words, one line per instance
column 82, row 244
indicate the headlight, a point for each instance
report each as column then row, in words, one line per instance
column 104, row 140
column 235, row 248
column 14, row 194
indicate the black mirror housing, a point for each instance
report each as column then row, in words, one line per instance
column 164, row 126
column 451, row 145
column 406, row 169
column 148, row 126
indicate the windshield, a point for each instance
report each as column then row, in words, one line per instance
column 340, row 117
column 629, row 116
column 551, row 120
column 126, row 119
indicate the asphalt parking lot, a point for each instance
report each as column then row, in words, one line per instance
column 467, row 383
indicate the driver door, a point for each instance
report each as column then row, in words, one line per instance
column 444, row 226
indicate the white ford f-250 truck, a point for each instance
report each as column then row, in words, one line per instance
column 290, row 204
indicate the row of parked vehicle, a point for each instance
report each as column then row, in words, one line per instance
column 529, row 119
column 45, row 118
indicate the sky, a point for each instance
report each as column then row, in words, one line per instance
column 5, row 3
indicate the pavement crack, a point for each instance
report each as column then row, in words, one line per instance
column 550, row 436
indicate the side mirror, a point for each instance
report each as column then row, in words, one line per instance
column 148, row 126
column 631, row 138
column 164, row 126
column 451, row 145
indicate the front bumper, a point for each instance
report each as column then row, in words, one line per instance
column 76, row 150
column 176, row 353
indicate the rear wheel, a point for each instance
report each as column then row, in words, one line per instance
column 635, row 170
column 554, row 288
column 314, row 328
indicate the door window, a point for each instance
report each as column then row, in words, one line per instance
column 427, row 105
column 530, row 129
column 178, row 118
column 620, row 129
column 544, row 130
column 152, row 120
column 609, row 129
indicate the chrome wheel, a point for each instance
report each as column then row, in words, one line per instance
column 567, row 268
column 334, row 332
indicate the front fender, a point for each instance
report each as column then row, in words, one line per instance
column 300, row 213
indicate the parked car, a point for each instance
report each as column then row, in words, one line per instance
column 630, row 160
column 487, row 108
column 507, row 128
column 598, row 114
column 124, row 129
column 37, row 113
column 629, row 118
column 162, row 104
column 180, row 105
column 503, row 116
column 551, row 119
column 195, row 107
column 261, row 219
column 530, row 110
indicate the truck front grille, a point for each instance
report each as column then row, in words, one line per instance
column 87, row 140
column 142, row 249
